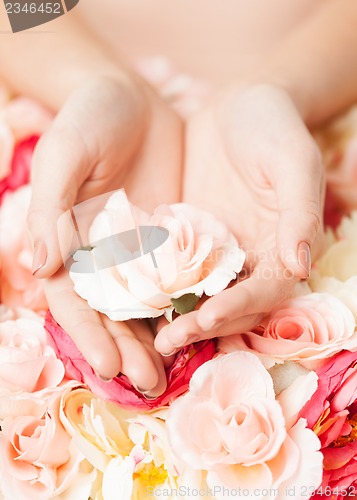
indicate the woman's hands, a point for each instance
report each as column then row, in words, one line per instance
column 251, row 161
column 109, row 134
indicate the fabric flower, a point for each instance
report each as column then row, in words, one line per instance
column 20, row 402
column 129, row 451
column 306, row 329
column 20, row 167
column 36, row 456
column 346, row 291
column 27, row 363
column 18, row 286
column 120, row 389
column 333, row 212
column 200, row 256
column 21, row 120
column 99, row 428
column 184, row 93
column 332, row 414
column 338, row 142
column 339, row 260
column 148, row 431
column 231, row 424
column 100, row 431
column 12, row 313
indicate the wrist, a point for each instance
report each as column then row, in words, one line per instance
column 55, row 93
column 255, row 88
column 120, row 93
column 287, row 85
column 69, row 58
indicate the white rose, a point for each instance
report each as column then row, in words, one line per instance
column 200, row 256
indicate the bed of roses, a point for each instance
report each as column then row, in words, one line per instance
column 271, row 413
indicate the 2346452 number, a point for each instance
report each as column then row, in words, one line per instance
column 34, row 8
column 328, row 491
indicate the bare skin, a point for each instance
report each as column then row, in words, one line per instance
column 250, row 148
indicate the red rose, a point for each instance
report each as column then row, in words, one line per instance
column 332, row 414
column 20, row 166
column 120, row 390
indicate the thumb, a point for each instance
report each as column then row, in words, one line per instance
column 300, row 195
column 57, row 174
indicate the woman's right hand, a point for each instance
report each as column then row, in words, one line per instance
column 251, row 161
column 108, row 135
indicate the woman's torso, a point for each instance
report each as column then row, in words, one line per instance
column 213, row 39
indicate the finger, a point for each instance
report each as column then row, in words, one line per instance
column 185, row 330
column 146, row 336
column 241, row 325
column 83, row 324
column 58, row 171
column 269, row 284
column 139, row 363
column 167, row 359
column 72, row 152
column 300, row 192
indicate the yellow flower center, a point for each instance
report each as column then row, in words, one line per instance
column 349, row 438
column 150, row 475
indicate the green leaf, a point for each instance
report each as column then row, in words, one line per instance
column 87, row 248
column 186, row 303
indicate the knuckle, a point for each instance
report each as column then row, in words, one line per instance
column 247, row 298
column 309, row 215
column 313, row 216
column 32, row 218
column 314, row 158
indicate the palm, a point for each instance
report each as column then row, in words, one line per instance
column 138, row 149
column 130, row 148
column 230, row 188
column 253, row 164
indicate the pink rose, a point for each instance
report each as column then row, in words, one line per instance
column 12, row 313
column 231, row 425
column 200, row 256
column 27, row 363
column 36, row 456
column 20, row 120
column 332, row 414
column 120, row 390
column 18, row 286
column 306, row 329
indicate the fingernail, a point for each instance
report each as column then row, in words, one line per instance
column 304, row 256
column 169, row 354
column 138, row 389
column 39, row 257
column 144, row 392
column 104, row 379
column 146, row 396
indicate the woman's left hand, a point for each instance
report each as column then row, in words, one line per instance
column 251, row 161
